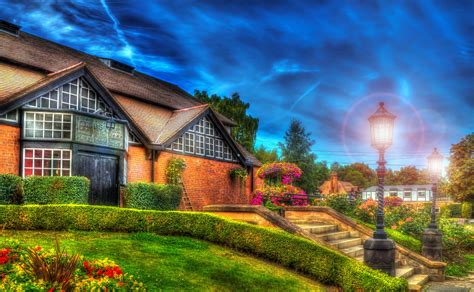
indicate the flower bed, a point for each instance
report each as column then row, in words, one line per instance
column 25, row 268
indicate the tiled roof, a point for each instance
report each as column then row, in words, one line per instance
column 5, row 98
column 49, row 56
column 178, row 120
column 14, row 79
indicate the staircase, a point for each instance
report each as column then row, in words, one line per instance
column 351, row 244
column 185, row 204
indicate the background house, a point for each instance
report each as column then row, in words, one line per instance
column 409, row 193
column 64, row 112
column 335, row 186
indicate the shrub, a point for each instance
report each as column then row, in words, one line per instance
column 341, row 204
column 174, row 171
column 279, row 172
column 56, row 190
column 366, row 211
column 280, row 195
column 11, row 189
column 466, row 210
column 152, row 196
column 321, row 263
column 392, row 201
column 452, row 210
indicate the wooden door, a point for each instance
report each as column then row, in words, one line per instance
column 102, row 171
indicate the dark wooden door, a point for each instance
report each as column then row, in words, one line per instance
column 102, row 171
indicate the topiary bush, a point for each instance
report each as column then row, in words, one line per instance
column 452, row 210
column 56, row 190
column 152, row 196
column 321, row 263
column 466, row 210
column 11, row 189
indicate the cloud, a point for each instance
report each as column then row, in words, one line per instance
column 314, row 61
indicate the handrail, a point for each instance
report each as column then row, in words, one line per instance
column 366, row 231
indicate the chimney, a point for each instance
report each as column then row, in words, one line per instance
column 333, row 182
column 9, row 28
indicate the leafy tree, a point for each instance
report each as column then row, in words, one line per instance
column 235, row 109
column 461, row 170
column 297, row 149
column 358, row 174
column 407, row 175
column 265, row 155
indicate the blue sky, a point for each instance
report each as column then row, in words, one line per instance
column 326, row 63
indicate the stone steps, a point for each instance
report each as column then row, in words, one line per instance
column 345, row 242
column 416, row 282
column 319, row 229
column 351, row 244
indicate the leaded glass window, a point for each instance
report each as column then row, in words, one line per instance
column 75, row 95
column 48, row 125
column 11, row 116
column 204, row 140
column 46, row 162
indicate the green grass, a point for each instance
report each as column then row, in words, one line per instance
column 174, row 263
column 461, row 269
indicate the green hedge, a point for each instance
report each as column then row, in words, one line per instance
column 11, row 189
column 452, row 210
column 152, row 196
column 466, row 210
column 320, row 263
column 404, row 240
column 56, row 190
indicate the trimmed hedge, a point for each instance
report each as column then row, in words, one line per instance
column 466, row 210
column 320, row 263
column 11, row 189
column 404, row 240
column 152, row 196
column 452, row 210
column 56, row 190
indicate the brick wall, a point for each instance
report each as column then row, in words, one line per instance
column 206, row 181
column 9, row 149
column 138, row 166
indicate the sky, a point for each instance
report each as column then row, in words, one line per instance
column 325, row 63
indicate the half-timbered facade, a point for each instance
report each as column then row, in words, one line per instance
column 64, row 112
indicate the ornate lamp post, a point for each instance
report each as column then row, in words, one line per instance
column 379, row 251
column 432, row 245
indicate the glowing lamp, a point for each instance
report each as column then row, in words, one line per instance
column 435, row 163
column 381, row 128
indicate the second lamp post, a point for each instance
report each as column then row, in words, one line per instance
column 379, row 251
column 432, row 237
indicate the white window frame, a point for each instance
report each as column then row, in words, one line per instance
column 189, row 143
column 10, row 120
column 200, row 148
column 44, row 121
column 42, row 168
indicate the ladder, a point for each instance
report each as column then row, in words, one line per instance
column 185, row 202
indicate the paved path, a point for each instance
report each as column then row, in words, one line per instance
column 457, row 285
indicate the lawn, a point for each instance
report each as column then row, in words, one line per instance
column 174, row 263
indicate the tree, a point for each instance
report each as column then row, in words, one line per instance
column 297, row 149
column 264, row 155
column 461, row 170
column 357, row 173
column 235, row 109
column 407, row 175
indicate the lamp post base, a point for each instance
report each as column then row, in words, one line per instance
column 432, row 244
column 379, row 254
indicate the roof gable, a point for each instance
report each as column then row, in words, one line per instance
column 51, row 82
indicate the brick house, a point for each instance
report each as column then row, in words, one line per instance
column 65, row 112
column 336, row 186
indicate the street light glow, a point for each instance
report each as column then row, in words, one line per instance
column 435, row 163
column 381, row 128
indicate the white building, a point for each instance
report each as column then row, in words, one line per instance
column 409, row 193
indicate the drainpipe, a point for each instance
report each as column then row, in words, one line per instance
column 153, row 166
